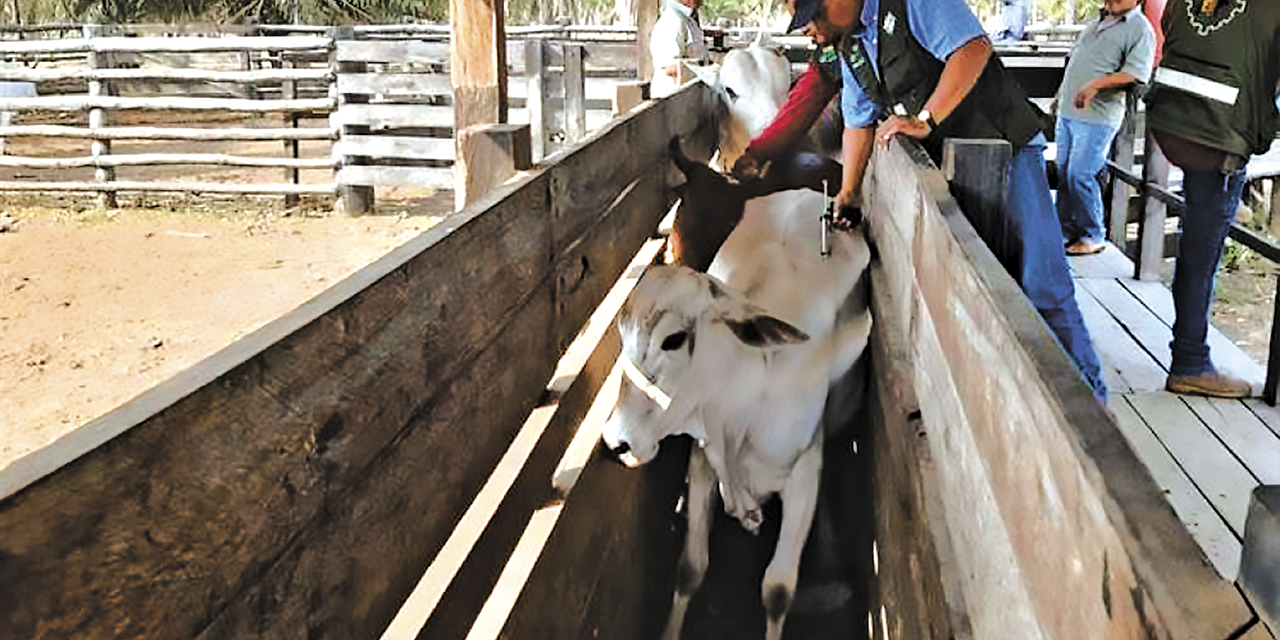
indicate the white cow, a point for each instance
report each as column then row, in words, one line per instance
column 753, row 82
column 741, row 359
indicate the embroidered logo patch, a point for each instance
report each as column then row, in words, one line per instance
column 1208, row 16
column 889, row 23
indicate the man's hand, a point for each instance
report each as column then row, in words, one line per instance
column 746, row 167
column 910, row 127
column 1085, row 96
column 848, row 210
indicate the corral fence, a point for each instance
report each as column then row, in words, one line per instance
column 394, row 459
column 345, row 107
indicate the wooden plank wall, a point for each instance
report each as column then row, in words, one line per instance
column 296, row 483
column 1043, row 521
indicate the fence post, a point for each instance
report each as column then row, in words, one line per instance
column 977, row 171
column 246, row 63
column 535, row 73
column 628, row 94
column 575, row 89
column 1155, row 171
column 101, row 147
column 1260, row 555
column 488, row 155
column 1121, row 192
column 352, row 199
column 289, row 91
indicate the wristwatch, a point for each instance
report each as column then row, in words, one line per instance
column 927, row 118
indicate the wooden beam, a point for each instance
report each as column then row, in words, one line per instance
column 1151, row 228
column 479, row 55
column 488, row 155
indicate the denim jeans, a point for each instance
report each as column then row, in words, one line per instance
column 1044, row 275
column 1082, row 154
column 1212, row 198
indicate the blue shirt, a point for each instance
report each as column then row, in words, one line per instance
column 940, row 26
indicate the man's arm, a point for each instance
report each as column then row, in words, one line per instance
column 855, row 151
column 1088, row 92
column 805, row 102
column 959, row 75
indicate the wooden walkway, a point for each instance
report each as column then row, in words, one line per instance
column 1206, row 454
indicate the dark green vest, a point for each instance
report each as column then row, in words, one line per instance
column 1217, row 78
column 995, row 108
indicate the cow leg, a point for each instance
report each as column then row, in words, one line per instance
column 693, row 563
column 799, row 501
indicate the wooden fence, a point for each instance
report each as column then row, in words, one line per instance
column 347, row 107
column 408, row 419
column 393, row 457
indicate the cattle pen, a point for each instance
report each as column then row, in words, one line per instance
column 412, row 453
column 402, row 455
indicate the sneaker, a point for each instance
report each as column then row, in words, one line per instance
column 1210, row 383
column 1085, row 247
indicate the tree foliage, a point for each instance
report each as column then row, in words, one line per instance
column 732, row 12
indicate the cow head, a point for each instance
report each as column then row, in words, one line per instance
column 679, row 328
column 753, row 82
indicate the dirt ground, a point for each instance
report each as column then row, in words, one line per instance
column 98, row 305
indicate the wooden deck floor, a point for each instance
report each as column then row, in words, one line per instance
column 1206, row 454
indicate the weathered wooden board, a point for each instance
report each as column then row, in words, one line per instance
column 579, row 379
column 435, row 178
column 608, row 569
column 396, row 84
column 1226, row 355
column 1136, row 318
column 416, row 147
column 629, row 144
column 1217, row 473
column 1202, row 522
column 1243, row 433
column 205, row 504
column 1121, row 360
column 1095, row 515
column 405, row 52
column 393, row 116
column 1269, row 415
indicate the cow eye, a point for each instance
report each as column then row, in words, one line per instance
column 674, row 341
column 733, row 95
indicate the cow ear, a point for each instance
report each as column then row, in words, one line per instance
column 765, row 331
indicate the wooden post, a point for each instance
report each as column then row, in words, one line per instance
column 1273, row 207
column 352, row 199
column 98, row 117
column 628, row 94
column 1121, row 192
column 645, row 13
column 978, row 171
column 575, row 101
column 1260, row 554
column 1155, row 170
column 246, row 63
column 489, row 154
column 479, row 55
column 289, row 91
column 535, row 73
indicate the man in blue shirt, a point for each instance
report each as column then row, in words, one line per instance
column 925, row 69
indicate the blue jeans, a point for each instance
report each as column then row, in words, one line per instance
column 1044, row 276
column 1082, row 154
column 1212, row 198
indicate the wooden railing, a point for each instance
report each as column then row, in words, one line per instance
column 377, row 100
column 1153, row 247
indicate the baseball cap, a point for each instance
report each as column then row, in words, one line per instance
column 804, row 10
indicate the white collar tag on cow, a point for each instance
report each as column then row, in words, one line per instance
column 889, row 23
column 643, row 382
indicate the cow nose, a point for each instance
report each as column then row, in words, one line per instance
column 621, row 449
